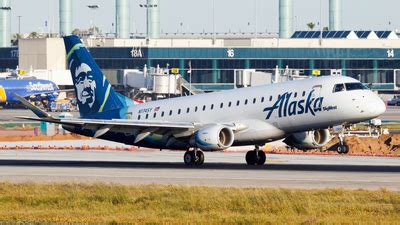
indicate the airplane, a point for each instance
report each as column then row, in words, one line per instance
column 298, row 111
column 35, row 90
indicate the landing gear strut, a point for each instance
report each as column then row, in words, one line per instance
column 195, row 157
column 256, row 157
column 342, row 148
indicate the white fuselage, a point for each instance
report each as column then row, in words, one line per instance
column 269, row 112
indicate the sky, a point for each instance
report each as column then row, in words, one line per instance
column 195, row 16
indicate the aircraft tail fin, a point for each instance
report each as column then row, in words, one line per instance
column 95, row 96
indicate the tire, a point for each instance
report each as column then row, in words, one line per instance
column 251, row 158
column 261, row 158
column 339, row 149
column 346, row 149
column 189, row 158
column 343, row 149
column 199, row 158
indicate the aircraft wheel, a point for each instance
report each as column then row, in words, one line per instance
column 343, row 149
column 251, row 158
column 199, row 158
column 189, row 158
column 261, row 158
column 256, row 157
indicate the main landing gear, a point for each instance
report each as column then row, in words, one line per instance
column 256, row 157
column 195, row 157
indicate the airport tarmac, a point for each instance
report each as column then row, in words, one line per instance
column 220, row 169
column 392, row 113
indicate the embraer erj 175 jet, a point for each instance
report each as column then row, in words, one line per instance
column 299, row 111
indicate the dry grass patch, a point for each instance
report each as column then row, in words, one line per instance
column 102, row 203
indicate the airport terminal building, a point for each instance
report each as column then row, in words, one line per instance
column 371, row 61
column 210, row 63
column 209, row 60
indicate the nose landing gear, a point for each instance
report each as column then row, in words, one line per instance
column 342, row 148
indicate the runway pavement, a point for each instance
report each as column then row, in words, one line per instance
column 220, row 169
column 392, row 113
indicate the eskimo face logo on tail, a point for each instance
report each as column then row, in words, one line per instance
column 287, row 106
column 85, row 85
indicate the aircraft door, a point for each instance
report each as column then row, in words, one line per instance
column 317, row 91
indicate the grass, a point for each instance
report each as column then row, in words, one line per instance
column 100, row 203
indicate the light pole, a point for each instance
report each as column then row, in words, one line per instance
column 93, row 8
column 19, row 25
column 149, row 26
column 320, row 22
column 255, row 15
column 6, row 36
column 213, row 18
column 147, row 21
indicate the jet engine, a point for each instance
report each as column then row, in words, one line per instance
column 213, row 138
column 309, row 140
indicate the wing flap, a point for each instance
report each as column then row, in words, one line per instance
column 119, row 122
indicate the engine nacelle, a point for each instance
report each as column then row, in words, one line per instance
column 309, row 140
column 213, row 138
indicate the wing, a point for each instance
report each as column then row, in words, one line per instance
column 142, row 128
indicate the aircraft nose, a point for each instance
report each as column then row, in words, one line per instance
column 381, row 106
column 378, row 107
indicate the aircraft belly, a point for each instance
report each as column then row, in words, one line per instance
column 152, row 141
column 258, row 131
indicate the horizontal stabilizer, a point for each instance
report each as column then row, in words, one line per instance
column 38, row 112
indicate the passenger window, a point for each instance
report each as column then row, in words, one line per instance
column 187, row 110
column 147, row 116
column 237, row 103
column 154, row 115
column 179, row 111
column 212, row 106
column 245, row 102
column 162, row 114
column 270, row 98
column 262, row 99
column 230, row 104
column 138, row 117
column 338, row 88
column 304, row 93
column 204, row 108
column 295, row 94
column 170, row 112
column 195, row 109
column 254, row 101
column 222, row 105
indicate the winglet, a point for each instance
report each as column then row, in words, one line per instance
column 38, row 112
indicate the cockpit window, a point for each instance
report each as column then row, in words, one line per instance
column 355, row 86
column 338, row 88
